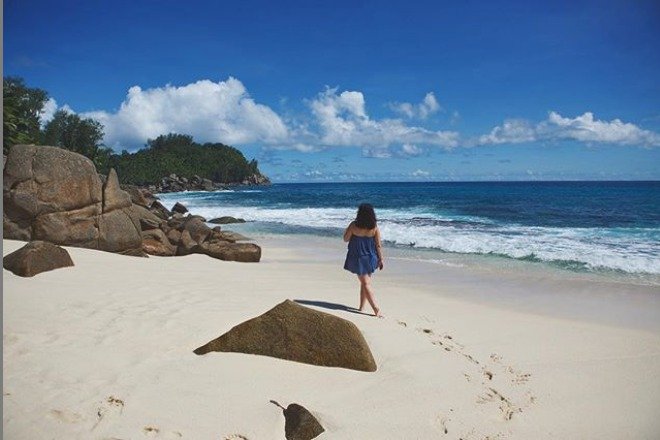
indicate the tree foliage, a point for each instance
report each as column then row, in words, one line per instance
column 167, row 154
column 179, row 154
column 21, row 108
column 82, row 135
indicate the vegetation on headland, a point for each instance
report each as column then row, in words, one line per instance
column 167, row 154
column 179, row 154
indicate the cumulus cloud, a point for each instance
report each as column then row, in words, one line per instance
column 511, row 131
column 343, row 121
column 583, row 128
column 428, row 106
column 210, row 111
column 225, row 112
column 420, row 173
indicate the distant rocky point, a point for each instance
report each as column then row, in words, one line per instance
column 174, row 183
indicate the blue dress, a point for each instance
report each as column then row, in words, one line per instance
column 362, row 257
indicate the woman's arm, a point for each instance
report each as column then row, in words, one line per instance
column 348, row 232
column 378, row 249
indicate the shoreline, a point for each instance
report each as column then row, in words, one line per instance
column 124, row 328
column 527, row 287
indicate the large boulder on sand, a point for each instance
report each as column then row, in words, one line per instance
column 293, row 332
column 36, row 257
column 300, row 424
column 56, row 195
column 229, row 251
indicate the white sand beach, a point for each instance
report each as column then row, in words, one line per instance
column 103, row 350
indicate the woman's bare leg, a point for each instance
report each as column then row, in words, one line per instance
column 363, row 297
column 365, row 281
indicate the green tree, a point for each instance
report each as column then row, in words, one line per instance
column 179, row 154
column 82, row 135
column 21, row 108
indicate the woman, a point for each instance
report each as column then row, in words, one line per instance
column 364, row 253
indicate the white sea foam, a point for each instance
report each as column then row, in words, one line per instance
column 633, row 251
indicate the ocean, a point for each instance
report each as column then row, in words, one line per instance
column 610, row 227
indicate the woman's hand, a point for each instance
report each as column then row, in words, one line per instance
column 380, row 264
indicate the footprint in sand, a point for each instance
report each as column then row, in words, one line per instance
column 517, row 377
column 507, row 408
column 112, row 406
column 150, row 431
column 236, row 437
column 65, row 416
column 442, row 423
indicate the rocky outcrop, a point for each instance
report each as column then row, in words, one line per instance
column 139, row 196
column 155, row 242
column 55, row 195
column 160, row 210
column 226, row 220
column 300, row 424
column 181, row 235
column 174, row 183
column 36, row 257
column 256, row 179
column 293, row 332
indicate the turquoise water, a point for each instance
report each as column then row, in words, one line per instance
column 586, row 226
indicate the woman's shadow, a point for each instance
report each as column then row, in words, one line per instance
column 329, row 305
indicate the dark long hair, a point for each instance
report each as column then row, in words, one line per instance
column 366, row 217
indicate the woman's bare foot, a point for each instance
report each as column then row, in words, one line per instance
column 377, row 313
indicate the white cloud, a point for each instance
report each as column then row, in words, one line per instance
column 380, row 152
column 343, row 121
column 209, row 111
column 428, row 106
column 583, row 128
column 420, row 173
column 511, row 131
column 411, row 150
column 225, row 112
column 377, row 152
column 47, row 112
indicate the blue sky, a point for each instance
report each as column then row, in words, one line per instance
column 330, row 91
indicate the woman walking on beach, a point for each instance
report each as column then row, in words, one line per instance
column 364, row 252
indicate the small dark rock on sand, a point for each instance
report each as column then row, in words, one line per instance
column 300, row 424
